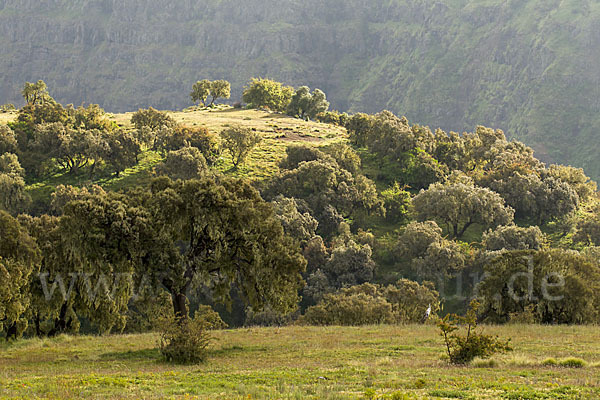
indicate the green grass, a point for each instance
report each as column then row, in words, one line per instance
column 378, row 362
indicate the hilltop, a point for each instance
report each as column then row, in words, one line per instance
column 527, row 67
column 277, row 130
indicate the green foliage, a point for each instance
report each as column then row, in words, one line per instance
column 8, row 140
column 560, row 285
column 459, row 206
column 404, row 302
column 513, row 237
column 397, row 202
column 152, row 119
column 19, row 258
column 427, row 255
column 185, row 163
column 239, row 142
column 217, row 232
column 8, row 107
column 35, row 93
column 572, row 362
column 462, row 349
column 268, row 93
column 200, row 91
column 184, row 341
column 330, row 191
column 13, row 195
column 307, row 105
column 333, row 117
column 219, row 89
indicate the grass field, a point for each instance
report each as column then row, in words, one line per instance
column 377, row 362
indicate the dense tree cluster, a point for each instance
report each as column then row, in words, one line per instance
column 374, row 231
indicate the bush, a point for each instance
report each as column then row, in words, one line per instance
column 332, row 117
column 462, row 349
column 184, row 341
column 267, row 317
column 405, row 302
column 572, row 362
column 349, row 309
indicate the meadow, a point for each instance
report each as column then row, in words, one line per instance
column 297, row 362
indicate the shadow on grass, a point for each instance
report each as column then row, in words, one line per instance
column 145, row 354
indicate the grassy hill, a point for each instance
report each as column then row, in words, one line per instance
column 374, row 362
column 277, row 130
column 528, row 67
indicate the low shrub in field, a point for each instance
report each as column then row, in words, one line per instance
column 184, row 341
column 366, row 304
column 572, row 362
column 462, row 349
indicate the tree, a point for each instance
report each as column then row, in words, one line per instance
column 19, row 258
column 513, row 237
column 185, row 163
column 219, row 89
column 239, row 142
column 330, row 192
column 397, row 202
column 123, row 151
column 35, row 93
column 306, row 105
column 350, row 264
column 103, row 238
column 183, row 136
column 200, row 91
column 426, row 254
column 296, row 223
column 459, row 205
column 268, row 93
column 404, row 302
column 561, row 286
column 13, row 196
column 219, row 233
column 53, row 291
column 151, row 118
column 92, row 117
column 8, row 140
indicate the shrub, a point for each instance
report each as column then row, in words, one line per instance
column 7, row 107
column 572, row 362
column 332, row 117
column 184, row 341
column 210, row 317
column 266, row 317
column 405, row 302
column 462, row 349
column 550, row 362
column 350, row 310
column 397, row 202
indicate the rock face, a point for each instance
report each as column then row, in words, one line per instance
column 529, row 67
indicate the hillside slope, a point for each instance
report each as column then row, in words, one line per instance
column 528, row 67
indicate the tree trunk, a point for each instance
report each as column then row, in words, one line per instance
column 180, row 307
column 60, row 324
